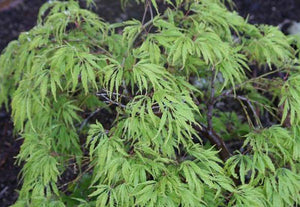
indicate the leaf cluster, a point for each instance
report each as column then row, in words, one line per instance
column 168, row 84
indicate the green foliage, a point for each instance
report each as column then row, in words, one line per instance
column 171, row 86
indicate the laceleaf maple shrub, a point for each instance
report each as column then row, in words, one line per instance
column 146, row 113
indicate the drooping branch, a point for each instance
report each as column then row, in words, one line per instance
column 110, row 101
column 208, row 132
column 214, row 139
column 210, row 104
column 248, row 101
column 85, row 121
column 225, row 93
column 148, row 7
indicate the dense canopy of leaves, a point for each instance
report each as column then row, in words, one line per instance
column 163, row 80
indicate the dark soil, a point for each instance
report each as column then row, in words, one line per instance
column 9, row 148
column 18, row 19
column 273, row 12
column 22, row 16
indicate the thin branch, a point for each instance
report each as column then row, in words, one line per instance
column 229, row 91
column 251, row 107
column 210, row 105
column 114, row 93
column 3, row 191
column 109, row 101
column 251, row 125
column 77, row 178
column 208, row 131
column 214, row 139
column 88, row 118
column 151, row 10
column 147, row 5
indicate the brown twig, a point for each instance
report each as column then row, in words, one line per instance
column 109, row 101
column 214, row 139
column 210, row 105
column 147, row 5
column 208, row 131
column 249, row 102
column 231, row 90
column 88, row 118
